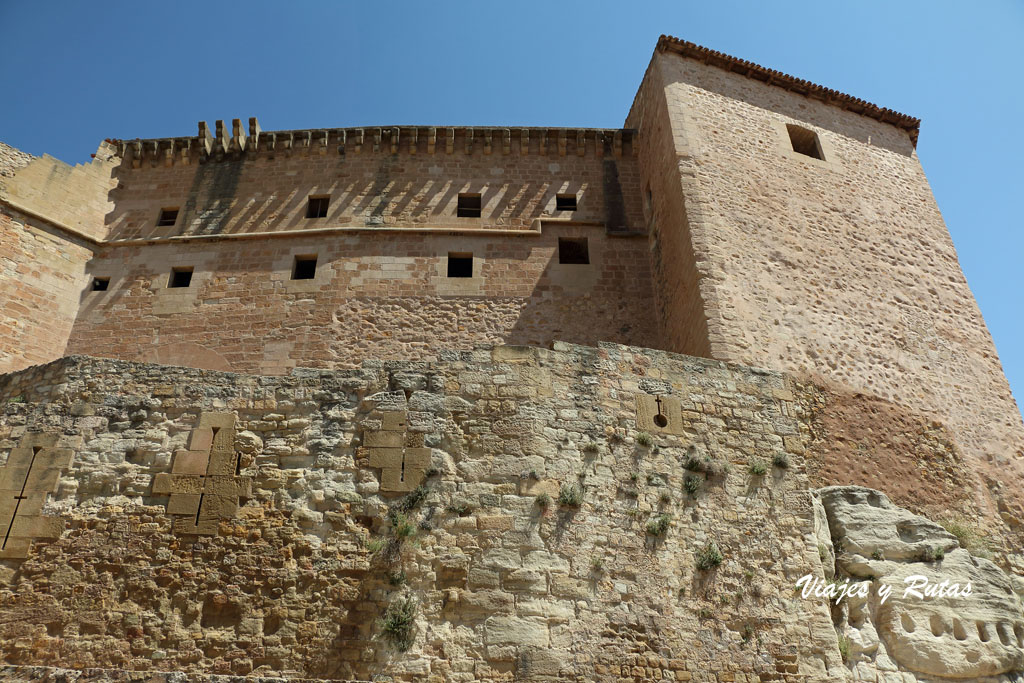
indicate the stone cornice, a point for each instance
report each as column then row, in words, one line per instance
column 791, row 83
column 252, row 141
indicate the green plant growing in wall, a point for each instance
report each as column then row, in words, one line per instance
column 969, row 537
column 691, row 484
column 644, row 439
column 844, row 647
column 460, row 509
column 543, row 501
column 781, row 460
column 412, row 500
column 398, row 622
column 596, row 564
column 708, row 557
column 570, row 495
column 658, row 526
column 591, row 447
column 758, row 468
column 401, row 527
column 694, row 464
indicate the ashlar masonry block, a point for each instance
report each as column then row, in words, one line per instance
column 204, row 485
column 659, row 414
column 31, row 473
column 402, row 461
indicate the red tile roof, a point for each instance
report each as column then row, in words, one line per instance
column 797, row 85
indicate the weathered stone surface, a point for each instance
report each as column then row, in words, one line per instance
column 297, row 576
column 954, row 636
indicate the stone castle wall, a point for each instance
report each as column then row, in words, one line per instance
column 839, row 269
column 42, row 276
column 527, row 505
column 377, row 295
column 381, row 289
column 506, row 584
column 405, row 185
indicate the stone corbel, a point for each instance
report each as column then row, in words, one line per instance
column 617, row 144
column 136, row 153
column 487, row 141
column 169, row 155
column 449, row 141
column 543, row 143
column 524, row 142
column 599, row 139
column 376, row 140
column 186, row 152
column 506, row 141
column 155, row 156
column 394, row 140
column 581, row 143
column 563, row 139
column 414, row 139
column 431, row 140
column 357, row 136
column 469, row 141
column 342, row 140
column 322, row 136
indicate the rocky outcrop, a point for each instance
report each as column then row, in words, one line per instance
column 949, row 614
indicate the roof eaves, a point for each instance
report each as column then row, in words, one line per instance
column 798, row 85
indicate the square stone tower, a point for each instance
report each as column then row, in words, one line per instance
column 792, row 227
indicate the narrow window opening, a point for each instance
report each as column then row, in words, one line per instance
column 469, row 206
column 167, row 217
column 180, row 277
column 460, row 264
column 317, row 207
column 100, row 284
column 804, row 141
column 573, row 250
column 565, row 202
column 304, row 268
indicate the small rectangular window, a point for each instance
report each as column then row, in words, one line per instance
column 180, row 277
column 460, row 264
column 565, row 202
column 317, row 207
column 167, row 217
column 305, row 268
column 100, row 284
column 469, row 205
column 804, row 141
column 573, row 250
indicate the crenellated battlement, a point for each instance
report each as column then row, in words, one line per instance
column 224, row 142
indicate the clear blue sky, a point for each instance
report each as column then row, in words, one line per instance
column 74, row 73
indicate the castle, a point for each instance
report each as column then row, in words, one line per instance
column 471, row 403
